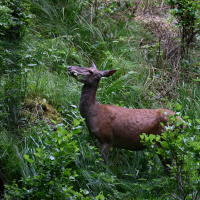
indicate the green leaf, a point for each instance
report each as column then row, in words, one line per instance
column 186, row 117
column 38, row 150
column 38, row 155
column 63, row 132
column 177, row 106
column 190, row 121
column 67, row 173
column 66, row 138
column 198, row 120
column 76, row 122
column 162, row 124
column 169, row 104
column 54, row 121
column 61, row 149
column 54, row 135
column 51, row 182
column 60, row 141
column 159, row 151
column 158, row 138
column 76, row 131
column 151, row 137
column 26, row 156
column 164, row 144
column 48, row 142
column 28, row 159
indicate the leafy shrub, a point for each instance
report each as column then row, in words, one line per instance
column 181, row 147
column 51, row 167
column 188, row 15
column 6, row 18
column 15, row 16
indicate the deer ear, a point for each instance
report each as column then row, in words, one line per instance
column 108, row 73
column 93, row 65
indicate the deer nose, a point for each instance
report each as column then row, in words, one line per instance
column 69, row 67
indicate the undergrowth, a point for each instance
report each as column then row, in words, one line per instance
column 34, row 72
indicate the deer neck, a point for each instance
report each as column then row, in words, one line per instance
column 88, row 101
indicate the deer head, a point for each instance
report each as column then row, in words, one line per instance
column 88, row 75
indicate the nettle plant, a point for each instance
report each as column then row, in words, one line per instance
column 182, row 147
column 50, row 166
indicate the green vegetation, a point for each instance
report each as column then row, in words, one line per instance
column 184, row 150
column 46, row 150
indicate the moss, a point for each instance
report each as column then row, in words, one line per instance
column 39, row 109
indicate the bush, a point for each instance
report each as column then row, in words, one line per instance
column 15, row 16
column 188, row 15
column 181, row 147
column 51, row 168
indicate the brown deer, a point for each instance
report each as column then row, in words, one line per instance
column 115, row 126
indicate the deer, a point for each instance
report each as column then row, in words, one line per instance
column 111, row 125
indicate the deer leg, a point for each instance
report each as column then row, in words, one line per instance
column 105, row 150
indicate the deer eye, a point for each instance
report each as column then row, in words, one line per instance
column 91, row 72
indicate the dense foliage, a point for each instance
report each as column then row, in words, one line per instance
column 181, row 146
column 15, row 16
column 187, row 13
column 46, row 151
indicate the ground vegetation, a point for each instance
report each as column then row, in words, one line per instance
column 46, row 151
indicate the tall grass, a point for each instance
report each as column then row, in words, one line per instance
column 56, row 88
column 61, row 35
column 57, row 17
column 11, row 156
